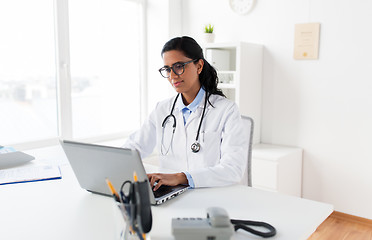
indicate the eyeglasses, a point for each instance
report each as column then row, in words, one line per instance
column 178, row 68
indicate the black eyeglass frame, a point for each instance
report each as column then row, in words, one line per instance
column 172, row 68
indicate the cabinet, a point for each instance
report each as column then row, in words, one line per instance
column 239, row 68
column 277, row 168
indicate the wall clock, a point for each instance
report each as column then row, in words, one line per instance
column 241, row 6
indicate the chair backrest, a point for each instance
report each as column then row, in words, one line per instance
column 248, row 129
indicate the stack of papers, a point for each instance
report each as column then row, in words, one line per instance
column 29, row 174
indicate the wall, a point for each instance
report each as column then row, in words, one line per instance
column 323, row 106
column 163, row 22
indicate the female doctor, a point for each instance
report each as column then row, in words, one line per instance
column 198, row 132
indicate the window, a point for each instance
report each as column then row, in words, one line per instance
column 28, row 109
column 105, row 60
column 104, row 39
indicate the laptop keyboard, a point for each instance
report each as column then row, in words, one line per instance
column 162, row 191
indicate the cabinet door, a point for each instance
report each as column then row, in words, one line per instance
column 264, row 174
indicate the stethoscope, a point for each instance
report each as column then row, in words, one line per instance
column 195, row 147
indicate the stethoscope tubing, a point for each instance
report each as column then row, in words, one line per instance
column 195, row 147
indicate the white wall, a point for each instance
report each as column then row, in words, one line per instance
column 163, row 23
column 323, row 106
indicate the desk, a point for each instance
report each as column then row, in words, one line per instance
column 60, row 209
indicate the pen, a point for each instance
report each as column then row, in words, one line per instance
column 113, row 191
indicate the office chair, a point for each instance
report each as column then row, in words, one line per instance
column 248, row 128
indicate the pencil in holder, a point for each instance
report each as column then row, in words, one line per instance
column 125, row 224
column 135, row 208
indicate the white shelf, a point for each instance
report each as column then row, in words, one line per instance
column 227, row 72
column 239, row 67
column 226, row 85
column 227, row 77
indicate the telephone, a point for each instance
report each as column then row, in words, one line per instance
column 216, row 226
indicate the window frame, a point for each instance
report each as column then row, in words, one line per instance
column 63, row 78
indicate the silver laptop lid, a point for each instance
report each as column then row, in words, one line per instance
column 92, row 164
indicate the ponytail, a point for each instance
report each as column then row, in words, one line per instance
column 208, row 79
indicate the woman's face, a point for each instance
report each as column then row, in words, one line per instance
column 188, row 82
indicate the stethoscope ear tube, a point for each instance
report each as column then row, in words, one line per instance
column 171, row 115
column 166, row 120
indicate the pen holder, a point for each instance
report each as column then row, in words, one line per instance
column 124, row 221
column 135, row 208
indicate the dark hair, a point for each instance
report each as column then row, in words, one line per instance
column 208, row 77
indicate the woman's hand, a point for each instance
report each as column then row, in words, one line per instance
column 166, row 179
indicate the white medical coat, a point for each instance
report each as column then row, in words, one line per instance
column 222, row 158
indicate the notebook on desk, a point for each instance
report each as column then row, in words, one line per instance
column 92, row 164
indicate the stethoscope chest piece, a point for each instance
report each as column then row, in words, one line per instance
column 195, row 147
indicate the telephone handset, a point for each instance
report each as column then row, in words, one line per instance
column 217, row 226
column 218, row 217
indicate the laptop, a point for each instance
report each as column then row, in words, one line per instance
column 92, row 164
column 9, row 157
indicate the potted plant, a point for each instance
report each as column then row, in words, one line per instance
column 208, row 33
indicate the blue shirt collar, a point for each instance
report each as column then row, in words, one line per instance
column 194, row 105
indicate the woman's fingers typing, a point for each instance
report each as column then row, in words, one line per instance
column 159, row 179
